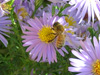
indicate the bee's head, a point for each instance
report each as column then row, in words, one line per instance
column 56, row 24
column 58, row 27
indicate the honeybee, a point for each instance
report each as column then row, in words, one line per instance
column 59, row 32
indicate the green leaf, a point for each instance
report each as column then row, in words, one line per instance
column 11, row 2
column 62, row 9
column 56, row 7
column 12, row 17
column 92, row 31
column 67, row 5
column 38, row 3
column 53, row 10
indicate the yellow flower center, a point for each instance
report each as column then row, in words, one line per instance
column 69, row 31
column 23, row 12
column 46, row 34
column 70, row 21
column 96, row 67
column 6, row 7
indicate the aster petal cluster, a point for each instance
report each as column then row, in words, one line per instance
column 88, row 58
column 89, row 8
column 4, row 21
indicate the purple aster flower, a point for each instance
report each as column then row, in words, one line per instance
column 88, row 58
column 72, row 38
column 82, row 31
column 89, row 8
column 71, row 14
column 23, row 11
column 38, row 36
column 4, row 7
column 4, row 28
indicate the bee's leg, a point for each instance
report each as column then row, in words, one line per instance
column 53, row 34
